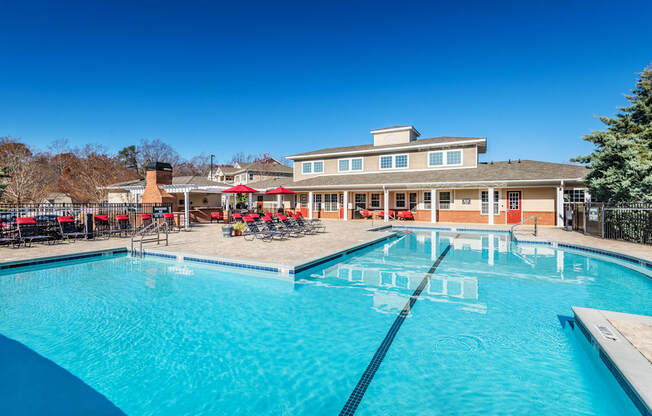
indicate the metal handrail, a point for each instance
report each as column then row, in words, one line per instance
column 149, row 230
column 511, row 231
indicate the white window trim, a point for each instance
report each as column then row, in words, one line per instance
column 393, row 156
column 350, row 170
column 380, row 200
column 312, row 167
column 444, row 158
column 450, row 201
column 496, row 201
column 405, row 201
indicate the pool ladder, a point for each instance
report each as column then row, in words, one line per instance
column 152, row 229
column 511, row 231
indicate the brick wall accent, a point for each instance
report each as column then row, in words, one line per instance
column 543, row 218
column 153, row 194
column 446, row 215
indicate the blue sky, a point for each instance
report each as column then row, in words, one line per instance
column 287, row 77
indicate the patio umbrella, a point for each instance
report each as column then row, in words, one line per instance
column 240, row 189
column 279, row 192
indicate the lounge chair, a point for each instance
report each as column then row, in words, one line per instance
column 293, row 229
column 103, row 226
column 405, row 215
column 237, row 217
column 270, row 225
column 29, row 231
column 145, row 220
column 253, row 231
column 315, row 226
column 7, row 236
column 168, row 217
column 390, row 214
column 68, row 228
column 217, row 216
column 365, row 213
column 124, row 224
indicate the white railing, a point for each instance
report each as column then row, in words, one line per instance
column 522, row 222
column 152, row 229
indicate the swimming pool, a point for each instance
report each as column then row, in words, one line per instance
column 156, row 336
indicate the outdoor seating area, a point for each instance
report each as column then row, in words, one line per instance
column 270, row 226
column 391, row 214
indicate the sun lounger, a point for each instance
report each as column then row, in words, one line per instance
column 293, row 229
column 270, row 225
column 253, row 231
column 124, row 224
column 7, row 236
column 29, row 231
column 405, row 215
column 217, row 216
column 145, row 220
column 365, row 213
column 168, row 217
column 68, row 228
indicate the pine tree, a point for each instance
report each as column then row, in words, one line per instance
column 621, row 165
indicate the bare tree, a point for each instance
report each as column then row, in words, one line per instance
column 156, row 151
column 26, row 173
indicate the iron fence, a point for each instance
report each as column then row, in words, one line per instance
column 626, row 222
column 48, row 213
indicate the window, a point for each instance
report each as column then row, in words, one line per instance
column 356, row 164
column 436, row 159
column 400, row 200
column 574, row 195
column 303, row 200
column 484, row 206
column 251, row 176
column 445, row 200
column 360, row 202
column 427, row 200
column 330, row 202
column 312, row 167
column 385, row 162
column 344, row 165
column 454, row 157
column 413, row 200
column 394, row 162
column 316, row 199
column 375, row 201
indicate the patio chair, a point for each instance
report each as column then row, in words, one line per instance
column 217, row 216
column 145, row 220
column 168, row 217
column 270, row 225
column 315, row 226
column 29, row 231
column 237, row 217
column 405, row 215
column 103, row 226
column 124, row 224
column 253, row 231
column 365, row 213
column 293, row 229
column 7, row 236
column 68, row 228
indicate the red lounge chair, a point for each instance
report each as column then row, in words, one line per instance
column 124, row 225
column 405, row 215
column 366, row 213
column 168, row 217
column 68, row 228
column 145, row 220
column 237, row 217
column 29, row 231
column 217, row 216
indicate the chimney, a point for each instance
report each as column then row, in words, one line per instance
column 394, row 135
column 157, row 174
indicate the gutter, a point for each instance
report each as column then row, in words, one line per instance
column 432, row 183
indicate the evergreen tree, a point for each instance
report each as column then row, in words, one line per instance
column 621, row 165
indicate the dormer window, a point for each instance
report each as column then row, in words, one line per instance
column 445, row 158
column 312, row 167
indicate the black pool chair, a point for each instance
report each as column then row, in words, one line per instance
column 68, row 228
column 29, row 231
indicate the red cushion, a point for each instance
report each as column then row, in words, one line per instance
column 237, row 215
column 122, row 217
column 266, row 219
column 254, row 215
column 145, row 217
column 247, row 219
column 216, row 215
column 168, row 215
column 26, row 220
column 102, row 217
column 282, row 217
column 66, row 218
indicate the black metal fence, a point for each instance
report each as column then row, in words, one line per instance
column 48, row 213
column 626, row 222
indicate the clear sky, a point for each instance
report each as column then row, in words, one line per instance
column 287, row 77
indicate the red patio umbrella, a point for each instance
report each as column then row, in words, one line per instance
column 240, row 189
column 280, row 191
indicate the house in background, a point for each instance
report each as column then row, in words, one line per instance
column 249, row 173
column 438, row 179
column 58, row 198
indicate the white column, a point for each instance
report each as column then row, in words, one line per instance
column 491, row 206
column 346, row 205
column 433, row 206
column 310, row 204
column 279, row 201
column 250, row 201
column 186, row 210
column 491, row 249
column 560, row 206
column 386, row 205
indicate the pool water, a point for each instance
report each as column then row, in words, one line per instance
column 168, row 338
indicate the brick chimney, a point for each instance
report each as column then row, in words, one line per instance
column 157, row 174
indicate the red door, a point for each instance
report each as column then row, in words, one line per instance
column 513, row 207
column 341, row 204
column 303, row 205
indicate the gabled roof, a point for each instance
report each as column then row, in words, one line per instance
column 494, row 172
column 415, row 144
column 198, row 180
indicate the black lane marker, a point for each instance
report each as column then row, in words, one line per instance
column 358, row 392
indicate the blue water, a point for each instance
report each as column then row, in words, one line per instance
column 166, row 338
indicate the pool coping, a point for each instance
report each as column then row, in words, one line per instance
column 63, row 257
column 630, row 368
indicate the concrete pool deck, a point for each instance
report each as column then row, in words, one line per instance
column 624, row 343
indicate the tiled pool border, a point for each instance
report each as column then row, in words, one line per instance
column 622, row 380
column 64, row 257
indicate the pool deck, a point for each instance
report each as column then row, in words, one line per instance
column 624, row 343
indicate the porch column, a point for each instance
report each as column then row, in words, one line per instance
column 310, row 204
column 433, row 206
column 386, row 205
column 491, row 206
column 279, row 202
column 186, row 210
column 250, row 201
column 346, row 205
column 560, row 205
